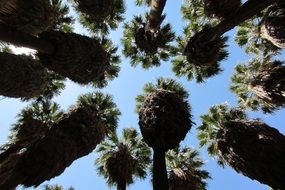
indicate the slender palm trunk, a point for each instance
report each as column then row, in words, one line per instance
column 155, row 15
column 15, row 37
column 121, row 185
column 246, row 11
column 160, row 179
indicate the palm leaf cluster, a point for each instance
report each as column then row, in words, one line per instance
column 123, row 159
column 147, row 47
column 199, row 58
column 100, row 16
column 185, row 169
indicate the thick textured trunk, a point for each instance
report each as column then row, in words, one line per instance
column 121, row 185
column 155, row 15
column 255, row 150
column 18, row 38
column 269, row 85
column 246, row 11
column 160, row 179
column 74, row 136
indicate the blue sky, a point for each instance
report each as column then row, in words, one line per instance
column 82, row 173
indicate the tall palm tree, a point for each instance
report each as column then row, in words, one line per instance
column 274, row 27
column 221, row 8
column 73, row 136
column 80, row 58
column 164, row 120
column 260, row 84
column 145, row 40
column 205, row 63
column 249, row 36
column 248, row 146
column 100, row 15
column 185, row 170
column 123, row 159
column 208, row 40
column 30, row 16
column 21, row 76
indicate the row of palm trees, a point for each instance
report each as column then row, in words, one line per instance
column 43, row 133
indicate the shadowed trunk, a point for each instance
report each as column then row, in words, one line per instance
column 155, row 15
column 121, row 185
column 73, row 137
column 18, row 38
column 246, row 11
column 160, row 179
column 255, row 150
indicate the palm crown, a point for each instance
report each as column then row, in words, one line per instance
column 123, row 159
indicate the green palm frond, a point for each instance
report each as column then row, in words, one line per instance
column 213, row 121
column 131, row 147
column 147, row 47
column 56, row 187
column 107, row 109
column 161, row 83
column 143, row 2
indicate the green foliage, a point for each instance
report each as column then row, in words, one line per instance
column 249, row 37
column 241, row 83
column 104, row 104
column 194, row 14
column 136, row 149
column 161, row 83
column 143, row 2
column 212, row 122
column 158, row 41
column 56, row 187
column 188, row 161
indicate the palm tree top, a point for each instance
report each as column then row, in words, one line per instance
column 163, row 84
column 129, row 145
column 104, row 104
column 213, row 121
column 143, row 2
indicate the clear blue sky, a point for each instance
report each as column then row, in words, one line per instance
column 82, row 174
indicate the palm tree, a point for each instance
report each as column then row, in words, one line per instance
column 145, row 40
column 164, row 120
column 21, row 76
column 260, row 84
column 73, row 136
column 80, row 58
column 185, row 170
column 205, row 63
column 30, row 16
column 248, row 146
column 100, row 15
column 221, row 8
column 123, row 159
column 207, row 43
column 249, row 36
column 274, row 27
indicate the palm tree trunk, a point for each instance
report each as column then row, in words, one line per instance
column 15, row 37
column 160, row 179
column 155, row 15
column 246, row 11
column 121, row 185
column 254, row 149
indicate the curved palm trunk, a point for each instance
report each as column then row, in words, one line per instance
column 155, row 15
column 246, row 11
column 121, row 185
column 160, row 179
column 254, row 149
column 74, row 136
column 18, row 38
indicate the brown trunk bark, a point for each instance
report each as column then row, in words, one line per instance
column 18, row 38
column 255, row 150
column 155, row 15
column 246, row 11
column 160, row 179
column 121, row 185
